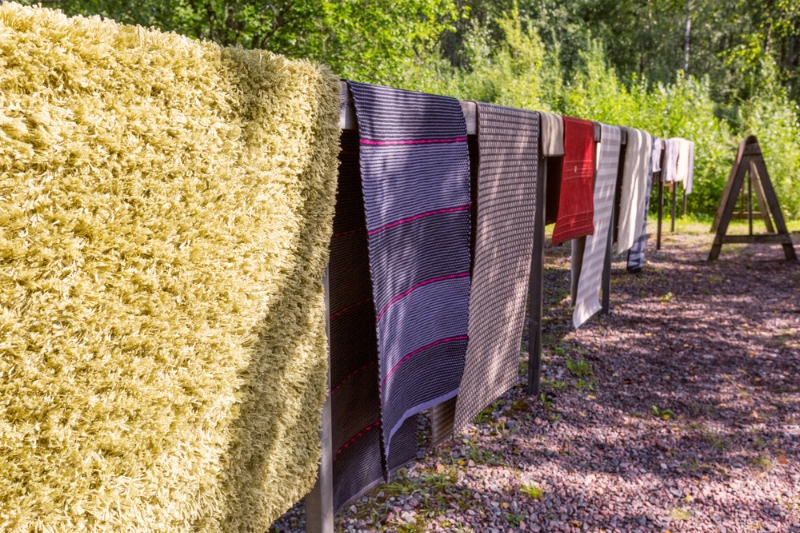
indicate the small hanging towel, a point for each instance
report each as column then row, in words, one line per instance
column 587, row 302
column 669, row 171
column 658, row 149
column 634, row 188
column 508, row 151
column 552, row 135
column 576, row 201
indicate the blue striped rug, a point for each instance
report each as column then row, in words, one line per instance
column 416, row 184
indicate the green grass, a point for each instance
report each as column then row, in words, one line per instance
column 701, row 224
column 534, row 493
column 680, row 514
column 579, row 368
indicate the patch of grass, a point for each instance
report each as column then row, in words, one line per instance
column 400, row 486
column 588, row 384
column 663, row 414
column 559, row 350
column 480, row 455
column 547, row 403
column 579, row 368
column 519, row 406
column 534, row 493
column 667, row 297
column 763, row 462
column 523, row 367
column 515, row 519
column 679, row 513
column 486, row 415
column 714, row 439
column 556, row 385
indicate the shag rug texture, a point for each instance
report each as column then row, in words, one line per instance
column 165, row 212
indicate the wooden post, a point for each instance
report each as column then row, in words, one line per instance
column 610, row 244
column 660, row 194
column 674, row 208
column 319, row 502
column 536, row 284
column 750, row 203
column 660, row 212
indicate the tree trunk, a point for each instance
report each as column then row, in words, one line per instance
column 686, row 39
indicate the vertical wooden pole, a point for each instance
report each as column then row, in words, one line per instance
column 660, row 211
column 319, row 502
column 674, row 208
column 750, row 202
column 578, row 246
column 607, row 264
column 684, row 203
column 606, row 289
column 536, row 286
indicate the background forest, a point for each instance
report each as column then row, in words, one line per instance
column 708, row 70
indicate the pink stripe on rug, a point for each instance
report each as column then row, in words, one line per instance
column 418, row 350
column 417, row 286
column 421, row 215
column 412, row 141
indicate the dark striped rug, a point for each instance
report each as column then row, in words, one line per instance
column 508, row 142
column 355, row 400
column 416, row 186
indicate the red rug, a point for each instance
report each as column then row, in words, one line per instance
column 576, row 199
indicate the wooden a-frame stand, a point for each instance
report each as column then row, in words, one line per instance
column 750, row 161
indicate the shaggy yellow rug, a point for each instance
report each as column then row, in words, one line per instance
column 165, row 212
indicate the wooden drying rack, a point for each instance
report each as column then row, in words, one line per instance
column 319, row 503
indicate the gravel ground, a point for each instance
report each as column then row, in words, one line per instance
column 680, row 411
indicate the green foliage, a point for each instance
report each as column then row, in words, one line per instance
column 535, row 493
column 579, row 368
column 514, row 519
column 663, row 414
column 363, row 39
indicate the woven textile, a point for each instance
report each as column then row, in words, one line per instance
column 634, row 188
column 655, row 161
column 508, row 147
column 166, row 212
column 637, row 251
column 685, row 172
column 576, row 199
column 587, row 302
column 416, row 186
column 355, row 400
column 669, row 171
column 552, row 133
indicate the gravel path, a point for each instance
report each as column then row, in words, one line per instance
column 680, row 411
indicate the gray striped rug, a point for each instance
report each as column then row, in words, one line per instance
column 507, row 173
column 587, row 302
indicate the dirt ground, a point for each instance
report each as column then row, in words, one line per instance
column 679, row 411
